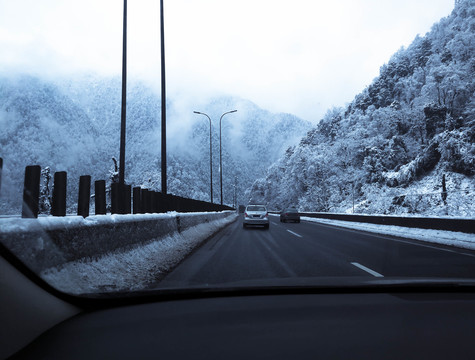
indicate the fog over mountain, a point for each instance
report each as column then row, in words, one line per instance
column 73, row 125
column 400, row 143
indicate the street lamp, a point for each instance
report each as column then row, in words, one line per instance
column 235, row 193
column 118, row 192
column 220, row 155
column 124, row 102
column 164, row 102
column 210, row 156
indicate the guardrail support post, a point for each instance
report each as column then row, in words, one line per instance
column 143, row 203
column 31, row 192
column 114, row 198
column 162, row 203
column 150, row 201
column 155, row 202
column 127, row 197
column 137, row 201
column 159, row 202
column 84, row 195
column 58, row 206
column 122, row 194
column 100, row 197
column 122, row 201
column 150, row 196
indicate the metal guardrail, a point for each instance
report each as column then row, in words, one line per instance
column 447, row 224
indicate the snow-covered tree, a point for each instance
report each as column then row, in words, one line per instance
column 413, row 123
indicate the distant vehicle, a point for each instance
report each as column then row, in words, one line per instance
column 256, row 215
column 290, row 214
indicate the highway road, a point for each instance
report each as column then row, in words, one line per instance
column 290, row 250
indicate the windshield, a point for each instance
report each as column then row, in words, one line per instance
column 256, row 208
column 349, row 125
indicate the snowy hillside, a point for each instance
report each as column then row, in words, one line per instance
column 400, row 143
column 73, row 125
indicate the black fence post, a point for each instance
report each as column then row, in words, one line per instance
column 31, row 192
column 150, row 201
column 122, row 200
column 170, row 202
column 114, row 198
column 175, row 206
column 84, row 195
column 124, row 196
column 155, row 202
column 144, row 196
column 127, row 196
column 150, row 196
column 137, row 201
column 58, row 206
column 158, row 202
column 100, row 197
column 162, row 203
column 142, row 201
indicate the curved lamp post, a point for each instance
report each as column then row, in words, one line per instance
column 220, row 157
column 210, row 156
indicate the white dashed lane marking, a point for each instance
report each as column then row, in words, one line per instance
column 368, row 270
column 294, row 233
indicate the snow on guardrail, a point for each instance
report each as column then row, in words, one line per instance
column 434, row 223
column 108, row 252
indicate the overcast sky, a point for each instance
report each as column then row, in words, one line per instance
column 298, row 56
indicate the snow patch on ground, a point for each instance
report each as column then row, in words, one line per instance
column 451, row 238
column 132, row 269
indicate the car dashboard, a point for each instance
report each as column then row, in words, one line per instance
column 264, row 323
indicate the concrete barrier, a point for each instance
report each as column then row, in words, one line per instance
column 51, row 241
column 187, row 220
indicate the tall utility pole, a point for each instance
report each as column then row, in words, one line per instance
column 353, row 192
column 235, row 193
column 124, row 94
column 220, row 155
column 210, row 156
column 164, row 104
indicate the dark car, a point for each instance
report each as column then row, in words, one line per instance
column 290, row 214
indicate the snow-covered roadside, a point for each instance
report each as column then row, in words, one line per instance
column 452, row 238
column 133, row 269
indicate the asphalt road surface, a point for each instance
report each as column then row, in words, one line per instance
column 289, row 250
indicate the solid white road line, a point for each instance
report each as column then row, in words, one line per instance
column 368, row 270
column 290, row 231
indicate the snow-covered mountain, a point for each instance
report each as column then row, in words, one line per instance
column 73, row 125
column 399, row 143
